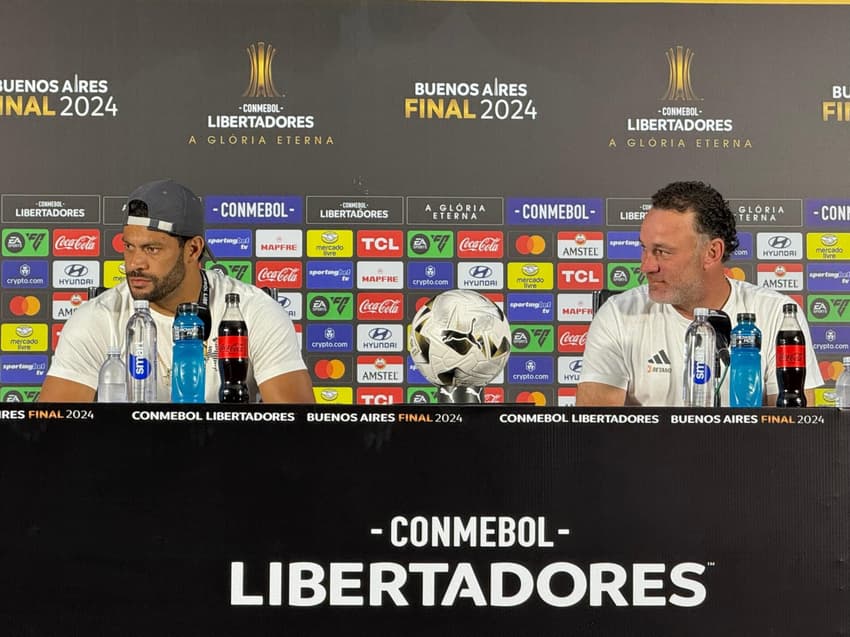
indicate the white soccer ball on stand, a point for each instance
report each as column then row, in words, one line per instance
column 460, row 339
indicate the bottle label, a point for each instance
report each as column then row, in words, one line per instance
column 790, row 356
column 233, row 347
column 140, row 367
column 701, row 373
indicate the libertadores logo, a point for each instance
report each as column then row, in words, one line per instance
column 679, row 86
column 260, row 82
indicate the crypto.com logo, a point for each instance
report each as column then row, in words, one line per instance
column 679, row 86
column 261, row 84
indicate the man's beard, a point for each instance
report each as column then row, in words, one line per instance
column 162, row 287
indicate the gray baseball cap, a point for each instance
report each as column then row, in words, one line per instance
column 167, row 206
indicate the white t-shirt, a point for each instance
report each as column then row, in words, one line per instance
column 638, row 345
column 273, row 346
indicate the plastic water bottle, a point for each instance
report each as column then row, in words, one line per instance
column 112, row 379
column 698, row 373
column 141, row 355
column 842, row 386
column 188, row 367
column 746, row 388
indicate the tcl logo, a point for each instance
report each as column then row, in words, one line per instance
column 572, row 338
column 371, row 307
column 376, row 243
column 478, row 244
column 279, row 274
column 380, row 395
column 76, row 243
column 579, row 276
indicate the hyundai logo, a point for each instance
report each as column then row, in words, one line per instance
column 575, row 366
column 76, row 270
column 284, row 301
column 380, row 334
column 480, row 271
column 779, row 242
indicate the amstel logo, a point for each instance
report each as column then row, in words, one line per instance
column 679, row 86
column 261, row 84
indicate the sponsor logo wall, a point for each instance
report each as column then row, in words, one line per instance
column 352, row 260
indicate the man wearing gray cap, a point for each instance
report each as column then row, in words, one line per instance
column 163, row 248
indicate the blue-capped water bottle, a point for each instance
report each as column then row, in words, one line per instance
column 141, row 355
column 745, row 378
column 698, row 375
column 188, row 373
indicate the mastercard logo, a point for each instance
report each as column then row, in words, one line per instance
column 830, row 370
column 534, row 397
column 24, row 305
column 736, row 273
column 333, row 369
column 530, row 244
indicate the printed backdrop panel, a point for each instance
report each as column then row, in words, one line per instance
column 346, row 150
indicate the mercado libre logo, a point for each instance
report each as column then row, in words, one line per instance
column 261, row 117
column 680, row 121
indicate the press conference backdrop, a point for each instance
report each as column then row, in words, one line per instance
column 357, row 158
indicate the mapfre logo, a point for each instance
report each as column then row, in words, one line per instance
column 380, row 243
column 76, row 243
column 572, row 338
column 279, row 274
column 380, row 307
column 480, row 244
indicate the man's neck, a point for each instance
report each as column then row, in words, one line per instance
column 714, row 299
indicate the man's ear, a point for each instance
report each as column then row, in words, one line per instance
column 714, row 251
column 194, row 247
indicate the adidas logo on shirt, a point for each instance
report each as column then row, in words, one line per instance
column 658, row 363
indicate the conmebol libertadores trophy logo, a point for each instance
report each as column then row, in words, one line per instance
column 261, row 84
column 679, row 87
column 460, row 341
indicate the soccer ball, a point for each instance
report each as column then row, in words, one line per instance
column 460, row 338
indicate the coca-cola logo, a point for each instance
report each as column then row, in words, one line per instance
column 283, row 275
column 386, row 307
column 491, row 245
column 82, row 243
column 569, row 339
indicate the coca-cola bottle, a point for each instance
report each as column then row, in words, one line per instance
column 233, row 353
column 790, row 360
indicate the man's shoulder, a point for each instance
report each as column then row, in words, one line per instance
column 751, row 293
column 111, row 301
column 632, row 301
column 250, row 296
